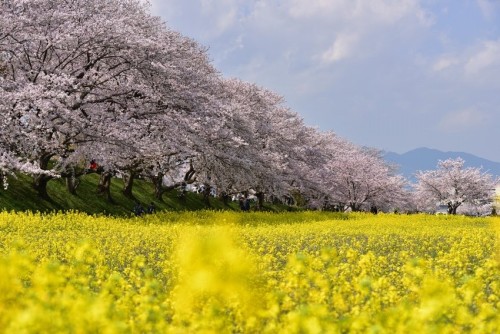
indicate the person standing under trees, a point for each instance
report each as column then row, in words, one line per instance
column 138, row 209
column 151, row 208
column 244, row 204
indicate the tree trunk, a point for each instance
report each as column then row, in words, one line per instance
column 104, row 186
column 225, row 198
column 276, row 200
column 72, row 183
column 40, row 185
column 206, row 195
column 355, row 207
column 158, row 184
column 72, row 180
column 189, row 176
column 40, row 181
column 128, row 183
column 452, row 208
column 260, row 200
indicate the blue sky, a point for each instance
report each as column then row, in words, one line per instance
column 390, row 74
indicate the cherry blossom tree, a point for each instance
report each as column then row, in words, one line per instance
column 358, row 178
column 78, row 69
column 452, row 184
column 257, row 144
column 229, row 151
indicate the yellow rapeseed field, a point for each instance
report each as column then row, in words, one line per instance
column 226, row 272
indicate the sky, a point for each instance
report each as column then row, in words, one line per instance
column 391, row 74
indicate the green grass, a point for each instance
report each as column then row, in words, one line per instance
column 20, row 196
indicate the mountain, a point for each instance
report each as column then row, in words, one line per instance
column 426, row 159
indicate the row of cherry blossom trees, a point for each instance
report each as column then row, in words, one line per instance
column 105, row 81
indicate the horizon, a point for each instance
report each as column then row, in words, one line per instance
column 440, row 151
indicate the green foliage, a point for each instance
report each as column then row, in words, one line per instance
column 20, row 196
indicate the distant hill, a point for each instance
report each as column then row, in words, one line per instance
column 426, row 159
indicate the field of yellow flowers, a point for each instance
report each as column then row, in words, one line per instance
column 226, row 272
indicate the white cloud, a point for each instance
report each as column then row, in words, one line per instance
column 223, row 12
column 487, row 56
column 339, row 29
column 488, row 7
column 390, row 11
column 463, row 120
column 310, row 8
column 342, row 48
column 445, row 62
column 370, row 12
column 206, row 18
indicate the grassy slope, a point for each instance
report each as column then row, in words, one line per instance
column 20, row 196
